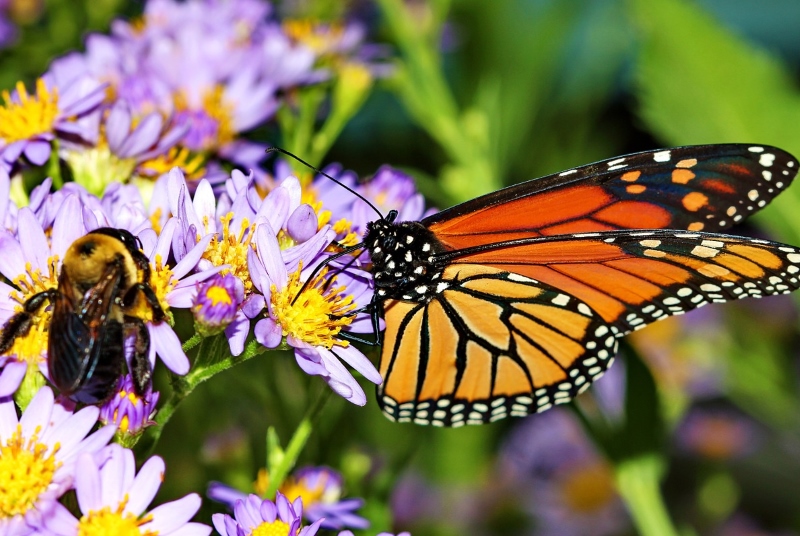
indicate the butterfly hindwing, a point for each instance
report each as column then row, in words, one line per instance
column 488, row 345
column 632, row 278
column 698, row 188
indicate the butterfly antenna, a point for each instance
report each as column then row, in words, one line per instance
column 320, row 172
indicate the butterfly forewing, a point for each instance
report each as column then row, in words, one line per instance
column 698, row 188
column 488, row 345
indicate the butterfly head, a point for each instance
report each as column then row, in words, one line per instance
column 403, row 258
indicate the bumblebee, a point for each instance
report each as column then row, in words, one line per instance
column 102, row 280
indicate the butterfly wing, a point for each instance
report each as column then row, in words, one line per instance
column 632, row 278
column 488, row 345
column 514, row 328
column 696, row 188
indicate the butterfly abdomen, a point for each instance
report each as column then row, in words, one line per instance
column 403, row 260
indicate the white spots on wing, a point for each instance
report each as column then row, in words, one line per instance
column 755, row 149
column 568, row 172
column 613, row 163
column 561, row 300
column 650, row 243
column 766, row 159
column 662, row 156
column 767, row 175
column 704, row 252
column 752, row 195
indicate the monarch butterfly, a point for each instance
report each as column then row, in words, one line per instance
column 514, row 302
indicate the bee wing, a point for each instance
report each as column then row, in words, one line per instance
column 86, row 350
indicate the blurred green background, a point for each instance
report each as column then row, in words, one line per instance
column 529, row 87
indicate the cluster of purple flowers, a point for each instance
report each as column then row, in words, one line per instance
column 177, row 88
column 142, row 132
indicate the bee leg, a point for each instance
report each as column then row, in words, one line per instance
column 19, row 324
column 149, row 295
column 140, row 369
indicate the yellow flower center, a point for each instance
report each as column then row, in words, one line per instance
column 215, row 107
column 191, row 164
column 293, row 489
column 276, row 528
column 134, row 400
column 31, row 116
column 232, row 249
column 317, row 36
column 589, row 488
column 117, row 522
column 317, row 315
column 32, row 346
column 96, row 167
column 162, row 282
column 217, row 295
column 26, row 471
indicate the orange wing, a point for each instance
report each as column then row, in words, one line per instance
column 698, row 188
column 632, row 278
column 490, row 344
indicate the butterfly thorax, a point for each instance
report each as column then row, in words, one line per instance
column 403, row 258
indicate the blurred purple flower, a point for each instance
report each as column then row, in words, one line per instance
column 717, row 434
column 560, row 478
column 113, row 499
column 28, row 123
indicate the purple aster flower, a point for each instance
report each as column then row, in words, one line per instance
column 557, row 475
column 216, row 303
column 254, row 515
column 717, row 434
column 28, row 123
column 174, row 287
column 113, row 499
column 129, row 412
column 312, row 320
column 121, row 140
column 39, row 453
column 320, row 489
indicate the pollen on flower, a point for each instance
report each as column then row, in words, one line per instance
column 319, row 37
column 29, row 115
column 232, row 249
column 96, row 167
column 275, row 528
column 162, row 282
column 191, row 164
column 32, row 347
column 293, row 488
column 118, row 521
column 318, row 314
column 27, row 468
column 213, row 109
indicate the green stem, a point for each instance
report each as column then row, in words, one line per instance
column 193, row 341
column 638, row 483
column 297, row 443
column 183, row 386
column 54, row 166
